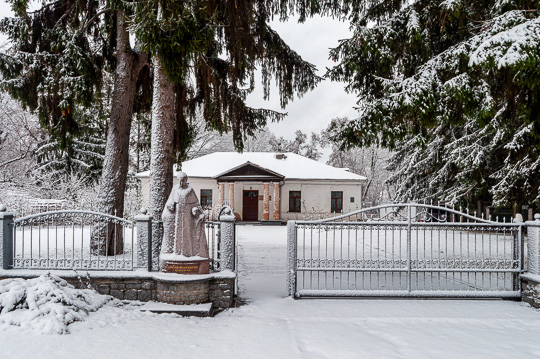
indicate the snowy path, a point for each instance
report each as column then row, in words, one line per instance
column 262, row 262
column 271, row 326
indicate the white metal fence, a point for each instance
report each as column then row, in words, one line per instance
column 74, row 239
column 409, row 250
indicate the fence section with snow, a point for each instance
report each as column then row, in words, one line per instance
column 72, row 239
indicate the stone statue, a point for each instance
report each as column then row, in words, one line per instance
column 184, row 239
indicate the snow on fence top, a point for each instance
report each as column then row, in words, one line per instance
column 289, row 165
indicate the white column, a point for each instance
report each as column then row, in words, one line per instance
column 231, row 196
column 221, row 199
column 276, row 202
column 266, row 202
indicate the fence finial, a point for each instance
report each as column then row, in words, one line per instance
column 3, row 207
column 144, row 211
column 537, row 216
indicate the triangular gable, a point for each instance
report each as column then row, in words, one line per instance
column 249, row 172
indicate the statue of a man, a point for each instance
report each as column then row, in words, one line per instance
column 183, row 225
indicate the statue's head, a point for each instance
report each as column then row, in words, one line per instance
column 182, row 179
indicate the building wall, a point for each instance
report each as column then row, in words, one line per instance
column 315, row 195
column 196, row 183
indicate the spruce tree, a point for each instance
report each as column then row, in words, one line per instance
column 71, row 57
column 453, row 86
column 53, row 65
column 205, row 54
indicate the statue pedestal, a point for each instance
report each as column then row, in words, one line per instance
column 188, row 266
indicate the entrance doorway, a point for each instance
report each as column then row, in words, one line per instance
column 250, row 206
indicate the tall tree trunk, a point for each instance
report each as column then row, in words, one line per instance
column 162, row 151
column 107, row 239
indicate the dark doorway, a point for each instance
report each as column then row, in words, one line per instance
column 250, row 206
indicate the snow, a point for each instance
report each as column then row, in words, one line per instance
column 271, row 326
column 292, row 167
column 47, row 304
column 171, row 308
column 179, row 257
column 510, row 46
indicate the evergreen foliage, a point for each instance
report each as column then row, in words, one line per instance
column 454, row 87
column 55, row 65
column 83, row 155
column 210, row 49
column 58, row 66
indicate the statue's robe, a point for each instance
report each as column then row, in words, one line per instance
column 183, row 232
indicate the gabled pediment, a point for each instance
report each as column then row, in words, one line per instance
column 249, row 172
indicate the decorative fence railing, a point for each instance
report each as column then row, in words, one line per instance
column 88, row 240
column 73, row 240
column 408, row 250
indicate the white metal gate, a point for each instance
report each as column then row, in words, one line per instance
column 405, row 250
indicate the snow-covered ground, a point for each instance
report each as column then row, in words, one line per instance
column 271, row 326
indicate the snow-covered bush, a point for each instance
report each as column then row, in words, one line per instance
column 47, row 304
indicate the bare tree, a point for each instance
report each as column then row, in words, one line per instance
column 261, row 142
column 300, row 145
column 207, row 140
column 371, row 162
column 19, row 135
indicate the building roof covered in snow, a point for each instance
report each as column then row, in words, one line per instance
column 289, row 165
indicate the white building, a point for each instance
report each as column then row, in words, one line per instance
column 264, row 186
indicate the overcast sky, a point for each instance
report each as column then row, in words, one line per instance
column 313, row 112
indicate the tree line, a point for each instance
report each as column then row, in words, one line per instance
column 27, row 174
column 72, row 60
column 451, row 87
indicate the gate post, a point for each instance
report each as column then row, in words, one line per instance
column 227, row 227
column 409, row 249
column 144, row 240
column 6, row 238
column 530, row 280
column 291, row 253
column 517, row 251
column 533, row 245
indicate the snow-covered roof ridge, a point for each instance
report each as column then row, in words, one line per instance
column 291, row 166
column 244, row 164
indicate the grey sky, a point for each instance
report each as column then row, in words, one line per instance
column 313, row 111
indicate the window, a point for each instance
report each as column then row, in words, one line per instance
column 336, row 202
column 206, row 198
column 294, row 201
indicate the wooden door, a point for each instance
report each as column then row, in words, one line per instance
column 250, row 206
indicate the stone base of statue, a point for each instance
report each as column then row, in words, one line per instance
column 186, row 266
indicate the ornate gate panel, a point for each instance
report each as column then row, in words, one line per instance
column 405, row 250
